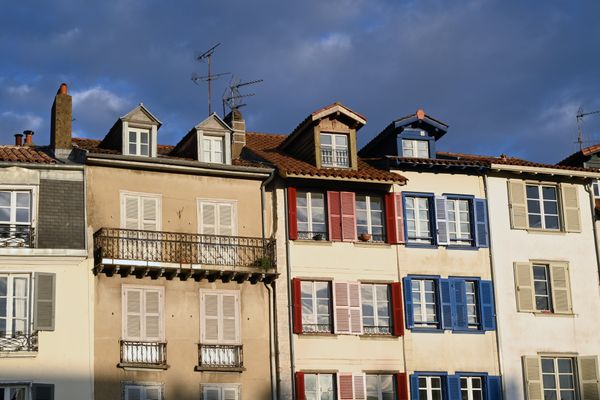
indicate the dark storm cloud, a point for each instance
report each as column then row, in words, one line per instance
column 506, row 76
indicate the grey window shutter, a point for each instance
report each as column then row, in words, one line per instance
column 570, row 207
column 561, row 288
column 44, row 301
column 518, row 204
column 42, row 391
column 533, row 377
column 524, row 287
column 588, row 377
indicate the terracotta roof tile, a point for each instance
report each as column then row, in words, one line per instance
column 91, row 145
column 265, row 146
column 24, row 154
column 579, row 157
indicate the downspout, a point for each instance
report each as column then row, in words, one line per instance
column 493, row 271
column 588, row 188
column 289, row 290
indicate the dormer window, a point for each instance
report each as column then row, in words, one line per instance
column 415, row 148
column 139, row 141
column 213, row 149
column 334, row 150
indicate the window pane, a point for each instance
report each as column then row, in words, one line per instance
column 565, row 366
column 566, row 382
column 533, row 206
column 23, row 200
column 325, row 139
column 144, row 137
column 132, row 137
column 22, row 215
column 550, row 207
column 549, row 193
column 547, row 365
column 132, row 148
column 549, row 382
column 551, row 222
column 532, row 192
column 535, row 221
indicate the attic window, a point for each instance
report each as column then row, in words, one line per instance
column 213, row 149
column 334, row 150
column 415, row 148
column 139, row 141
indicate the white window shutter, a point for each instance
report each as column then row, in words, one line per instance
column 517, row 203
column 209, row 218
column 345, row 386
column 132, row 212
column 230, row 318
column 533, row 377
column 355, row 307
column 570, row 207
column 589, row 377
column 152, row 315
column 441, row 216
column 524, row 287
column 341, row 307
column 210, row 304
column 133, row 313
column 360, row 387
column 230, row 393
column 225, row 213
column 561, row 290
column 150, row 214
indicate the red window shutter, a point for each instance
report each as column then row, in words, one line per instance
column 341, row 307
column 402, row 386
column 335, row 216
column 300, row 395
column 292, row 214
column 397, row 316
column 390, row 218
column 297, row 305
column 345, row 386
column 360, row 387
column 355, row 308
column 348, row 207
column 399, row 218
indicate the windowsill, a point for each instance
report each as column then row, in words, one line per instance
column 371, row 244
column 378, row 336
column 469, row 331
column 321, row 334
column 142, row 366
column 18, row 354
column 199, row 368
column 421, row 245
column 461, row 247
column 546, row 231
column 551, row 314
column 427, row 330
column 312, row 241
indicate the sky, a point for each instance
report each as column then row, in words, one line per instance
column 506, row 76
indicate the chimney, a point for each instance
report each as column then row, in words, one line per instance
column 28, row 138
column 236, row 121
column 60, row 124
column 19, row 139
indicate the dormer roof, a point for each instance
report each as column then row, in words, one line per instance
column 141, row 114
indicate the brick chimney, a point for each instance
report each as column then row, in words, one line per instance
column 28, row 138
column 236, row 121
column 61, row 120
column 19, row 139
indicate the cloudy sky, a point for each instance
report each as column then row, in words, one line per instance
column 507, row 76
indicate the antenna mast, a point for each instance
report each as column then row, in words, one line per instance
column 206, row 56
column 232, row 98
column 579, row 116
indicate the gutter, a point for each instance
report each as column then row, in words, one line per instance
column 70, row 167
column 545, row 171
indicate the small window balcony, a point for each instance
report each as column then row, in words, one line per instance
column 139, row 354
column 18, row 342
column 219, row 357
column 17, row 236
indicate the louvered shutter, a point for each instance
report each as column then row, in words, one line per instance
column 133, row 313
column 570, row 207
column 486, row 305
column 453, row 386
column 445, row 290
column 441, row 216
column 517, row 204
column 561, row 291
column 345, row 386
column 588, row 377
column 481, row 223
column 210, row 304
column 409, row 311
column 390, row 218
column 342, row 307
column 355, row 308
column 44, row 301
column 334, row 215
column 402, row 386
column 494, row 388
column 300, row 391
column 149, row 214
column 229, row 318
column 360, row 387
column 226, row 226
column 414, row 387
column 533, row 379
column 524, row 287
column 399, row 218
column 152, row 308
column 42, row 391
column 292, row 213
column 297, row 305
column 132, row 212
column 460, row 304
column 209, row 218
column 212, row 393
column 230, row 393
column 153, row 393
column 397, row 317
column 348, row 208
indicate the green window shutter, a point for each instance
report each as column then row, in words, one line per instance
column 533, row 380
column 524, row 287
column 561, row 288
column 588, row 378
column 570, row 207
column 517, row 203
column 44, row 301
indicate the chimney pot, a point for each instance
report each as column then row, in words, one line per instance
column 18, row 139
column 28, row 138
column 63, row 89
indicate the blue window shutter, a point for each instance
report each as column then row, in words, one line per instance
column 494, row 388
column 461, row 320
column 481, row 223
column 486, row 302
column 446, row 302
column 410, row 322
column 414, row 387
column 453, row 387
column 441, row 217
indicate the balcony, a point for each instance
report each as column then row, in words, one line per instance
column 19, row 341
column 151, row 355
column 184, row 255
column 17, row 236
column 218, row 357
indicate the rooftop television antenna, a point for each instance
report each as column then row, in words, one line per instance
column 580, row 115
column 232, row 98
column 207, row 56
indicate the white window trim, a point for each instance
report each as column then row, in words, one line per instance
column 374, row 303
column 429, row 387
column 414, row 146
column 334, row 382
column 233, row 203
column 542, row 212
column 334, row 147
column 150, row 385
column 423, row 303
column 238, row 316
column 221, row 387
column 9, row 300
column 475, row 296
column 314, row 315
column 416, row 209
column 369, row 212
column 470, row 389
column 226, row 144
column 20, row 385
column 548, row 283
column 557, row 374
column 378, row 376
column 161, row 311
column 123, row 216
column 34, row 198
column 457, row 222
column 309, row 211
column 152, row 138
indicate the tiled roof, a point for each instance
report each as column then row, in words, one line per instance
column 579, row 157
column 265, row 146
column 24, row 154
column 440, row 162
column 91, row 145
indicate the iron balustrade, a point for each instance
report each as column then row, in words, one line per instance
column 149, row 354
column 220, row 356
column 183, row 248
column 377, row 330
column 316, row 328
column 312, row 235
column 17, row 235
column 19, row 341
column 334, row 158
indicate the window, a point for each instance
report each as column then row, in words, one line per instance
column 143, row 317
column 310, row 208
column 13, row 392
column 376, row 308
column 220, row 316
column 142, row 392
column 542, row 287
column 418, row 219
column 369, row 217
column 220, row 392
column 140, row 211
column 424, row 295
column 471, row 297
column 213, row 149
column 471, row 388
column 415, row 148
column 558, row 378
column 14, row 305
column 334, row 150
column 217, row 217
column 596, row 188
column 542, row 207
column 380, row 387
column 316, row 309
column 459, row 221
column 139, row 141
column 319, row 387
column 15, row 218
column 430, row 388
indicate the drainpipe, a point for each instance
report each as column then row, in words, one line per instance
column 590, row 190
column 263, row 202
column 493, row 270
column 289, row 292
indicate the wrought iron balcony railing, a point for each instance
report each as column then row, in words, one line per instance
column 143, row 354
column 219, row 356
column 17, row 236
column 19, row 341
column 183, row 248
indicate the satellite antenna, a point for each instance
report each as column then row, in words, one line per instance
column 206, row 56
column 579, row 116
column 232, row 98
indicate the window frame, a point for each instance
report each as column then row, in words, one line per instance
column 200, row 201
column 477, row 326
column 157, row 197
column 429, row 387
column 548, row 283
column 374, row 304
column 464, row 243
column 411, row 133
column 161, row 313
column 33, row 206
column 318, row 381
column 574, row 374
column 212, row 139
column 379, row 388
column 334, row 148
column 437, row 302
column 138, row 131
column 311, row 234
column 238, row 317
column 10, row 298
column 221, row 387
column 143, row 387
column 369, row 212
column 542, row 213
column 414, row 147
column 315, row 314
column 6, row 385
column 470, row 389
column 420, row 241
